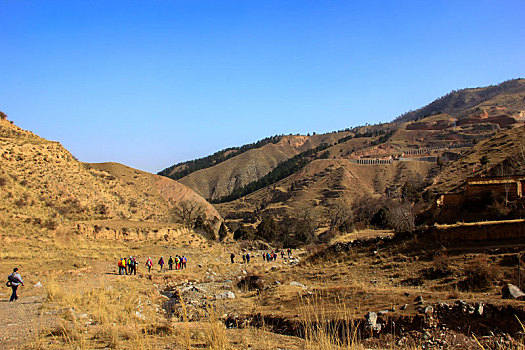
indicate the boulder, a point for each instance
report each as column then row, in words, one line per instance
column 511, row 291
column 371, row 322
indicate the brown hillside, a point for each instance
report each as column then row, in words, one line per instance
column 221, row 179
column 44, row 186
column 504, row 148
column 320, row 184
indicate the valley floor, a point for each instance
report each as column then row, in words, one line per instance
column 372, row 293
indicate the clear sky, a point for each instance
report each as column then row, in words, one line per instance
column 154, row 82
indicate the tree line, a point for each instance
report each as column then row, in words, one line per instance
column 214, row 159
column 281, row 171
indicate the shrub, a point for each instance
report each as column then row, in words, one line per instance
column 480, row 275
column 50, row 224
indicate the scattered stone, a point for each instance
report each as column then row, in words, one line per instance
column 403, row 307
column 139, row 315
column 38, row 285
column 382, row 312
column 418, row 300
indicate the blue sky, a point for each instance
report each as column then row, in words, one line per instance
column 152, row 83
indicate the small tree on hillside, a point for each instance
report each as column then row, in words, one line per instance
column 189, row 214
column 268, row 229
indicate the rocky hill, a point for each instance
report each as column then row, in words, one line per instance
column 45, row 187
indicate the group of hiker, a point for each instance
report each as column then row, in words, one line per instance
column 272, row 256
column 129, row 266
column 267, row 256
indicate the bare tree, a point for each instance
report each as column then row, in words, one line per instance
column 401, row 217
column 187, row 212
column 338, row 213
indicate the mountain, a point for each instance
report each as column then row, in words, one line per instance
column 232, row 173
column 421, row 152
column 458, row 103
column 44, row 187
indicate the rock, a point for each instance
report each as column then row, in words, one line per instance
column 38, row 285
column 479, row 309
column 293, row 283
column 511, row 291
column 429, row 310
column 418, row 300
column 371, row 322
column 403, row 307
column 225, row 295
column 139, row 315
column 382, row 312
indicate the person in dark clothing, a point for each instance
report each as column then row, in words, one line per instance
column 161, row 263
column 232, row 258
column 15, row 280
column 247, row 258
column 170, row 263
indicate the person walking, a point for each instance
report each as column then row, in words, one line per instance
column 232, row 258
column 184, row 261
column 244, row 258
column 247, row 258
column 170, row 263
column 149, row 264
column 161, row 263
column 134, row 263
column 14, row 281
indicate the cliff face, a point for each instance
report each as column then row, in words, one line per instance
column 43, row 185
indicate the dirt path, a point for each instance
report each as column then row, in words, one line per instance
column 22, row 320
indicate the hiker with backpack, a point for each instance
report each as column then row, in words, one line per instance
column 170, row 263
column 13, row 281
column 149, row 264
column 247, row 258
column 132, row 266
column 161, row 263
column 183, row 263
